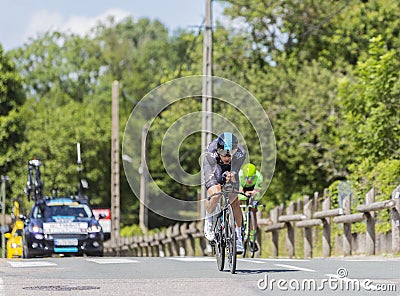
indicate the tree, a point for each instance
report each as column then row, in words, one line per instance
column 68, row 81
column 335, row 32
column 371, row 103
column 12, row 124
column 67, row 62
column 290, row 55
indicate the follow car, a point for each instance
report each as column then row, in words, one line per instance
column 62, row 225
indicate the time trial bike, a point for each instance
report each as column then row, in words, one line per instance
column 224, row 229
column 249, row 229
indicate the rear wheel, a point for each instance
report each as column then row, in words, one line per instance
column 230, row 239
column 246, row 235
column 219, row 245
column 252, row 226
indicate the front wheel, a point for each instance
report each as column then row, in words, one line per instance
column 219, row 245
column 230, row 239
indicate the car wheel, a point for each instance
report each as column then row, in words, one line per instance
column 25, row 250
column 26, row 253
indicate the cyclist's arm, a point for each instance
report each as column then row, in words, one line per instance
column 209, row 168
column 258, row 186
column 238, row 159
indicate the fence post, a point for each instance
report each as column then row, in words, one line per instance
column 147, row 245
column 370, row 235
column 315, row 208
column 175, row 243
column 396, row 221
column 290, row 232
column 190, row 242
column 308, row 230
column 326, row 232
column 275, row 234
column 347, row 227
column 162, row 236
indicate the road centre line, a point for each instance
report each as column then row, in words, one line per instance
column 295, row 267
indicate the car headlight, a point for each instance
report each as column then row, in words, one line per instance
column 36, row 228
column 14, row 245
column 94, row 228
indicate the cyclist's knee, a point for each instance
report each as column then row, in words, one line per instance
column 214, row 189
column 234, row 200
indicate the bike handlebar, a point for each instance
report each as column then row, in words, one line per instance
column 224, row 191
column 251, row 206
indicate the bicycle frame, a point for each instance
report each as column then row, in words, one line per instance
column 34, row 184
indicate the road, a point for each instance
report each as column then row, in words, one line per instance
column 198, row 276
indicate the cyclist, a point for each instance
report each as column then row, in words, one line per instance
column 222, row 162
column 251, row 182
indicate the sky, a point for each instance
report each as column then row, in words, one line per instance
column 21, row 19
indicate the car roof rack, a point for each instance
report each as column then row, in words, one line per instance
column 34, row 184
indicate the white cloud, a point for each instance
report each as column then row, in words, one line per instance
column 44, row 20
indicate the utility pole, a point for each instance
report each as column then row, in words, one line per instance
column 4, row 179
column 115, row 194
column 206, row 123
column 143, row 171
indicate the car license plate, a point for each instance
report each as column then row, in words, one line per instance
column 66, row 242
column 74, row 227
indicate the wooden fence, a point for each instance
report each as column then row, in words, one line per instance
column 178, row 239
column 305, row 214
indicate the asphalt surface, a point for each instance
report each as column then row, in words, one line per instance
column 199, row 276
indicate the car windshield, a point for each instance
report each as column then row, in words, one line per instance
column 77, row 211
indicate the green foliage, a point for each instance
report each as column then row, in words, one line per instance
column 189, row 150
column 12, row 123
column 135, row 230
column 131, row 230
column 60, row 61
column 371, row 103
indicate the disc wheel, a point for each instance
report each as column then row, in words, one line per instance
column 219, row 245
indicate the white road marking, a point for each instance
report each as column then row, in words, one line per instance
column 366, row 260
column 251, row 260
column 2, row 292
column 295, row 267
column 193, row 259
column 283, row 259
column 31, row 263
column 111, row 260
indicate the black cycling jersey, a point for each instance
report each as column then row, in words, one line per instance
column 213, row 167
